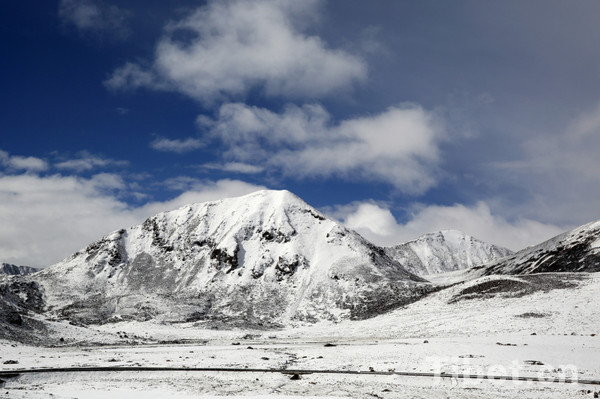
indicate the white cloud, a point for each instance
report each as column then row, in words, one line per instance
column 95, row 17
column 131, row 76
column 17, row 162
column 27, row 163
column 226, row 48
column 376, row 223
column 176, row 145
column 236, row 167
column 47, row 218
column 87, row 161
column 398, row 146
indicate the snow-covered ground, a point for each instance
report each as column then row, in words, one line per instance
column 472, row 355
column 549, row 332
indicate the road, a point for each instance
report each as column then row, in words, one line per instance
column 8, row 374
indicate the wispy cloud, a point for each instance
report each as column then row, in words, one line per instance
column 95, row 17
column 87, row 162
column 226, row 48
column 17, row 162
column 176, row 145
column 236, row 167
column 398, row 146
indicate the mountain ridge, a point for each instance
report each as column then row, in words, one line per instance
column 267, row 257
column 576, row 250
column 14, row 270
column 444, row 251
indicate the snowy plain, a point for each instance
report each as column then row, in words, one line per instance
column 545, row 334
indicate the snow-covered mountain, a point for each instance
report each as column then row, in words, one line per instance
column 7, row 268
column 265, row 258
column 577, row 250
column 444, row 251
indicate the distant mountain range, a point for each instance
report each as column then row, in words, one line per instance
column 444, row 251
column 264, row 260
column 7, row 268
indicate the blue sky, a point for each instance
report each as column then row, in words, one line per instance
column 396, row 118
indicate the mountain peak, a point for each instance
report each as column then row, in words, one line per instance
column 444, row 251
column 266, row 257
column 274, row 196
column 448, row 234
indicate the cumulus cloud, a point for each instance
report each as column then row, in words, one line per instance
column 87, row 162
column 176, row 145
column 47, row 218
column 17, row 162
column 398, row 146
column 377, row 223
column 95, row 17
column 226, row 48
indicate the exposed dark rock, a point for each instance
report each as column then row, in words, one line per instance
column 515, row 288
column 24, row 294
column 285, row 268
column 533, row 315
column 14, row 318
column 314, row 214
column 385, row 299
column 533, row 362
column 276, row 236
column 221, row 259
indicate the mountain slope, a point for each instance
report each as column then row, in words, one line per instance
column 265, row 258
column 577, row 250
column 7, row 268
column 444, row 251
